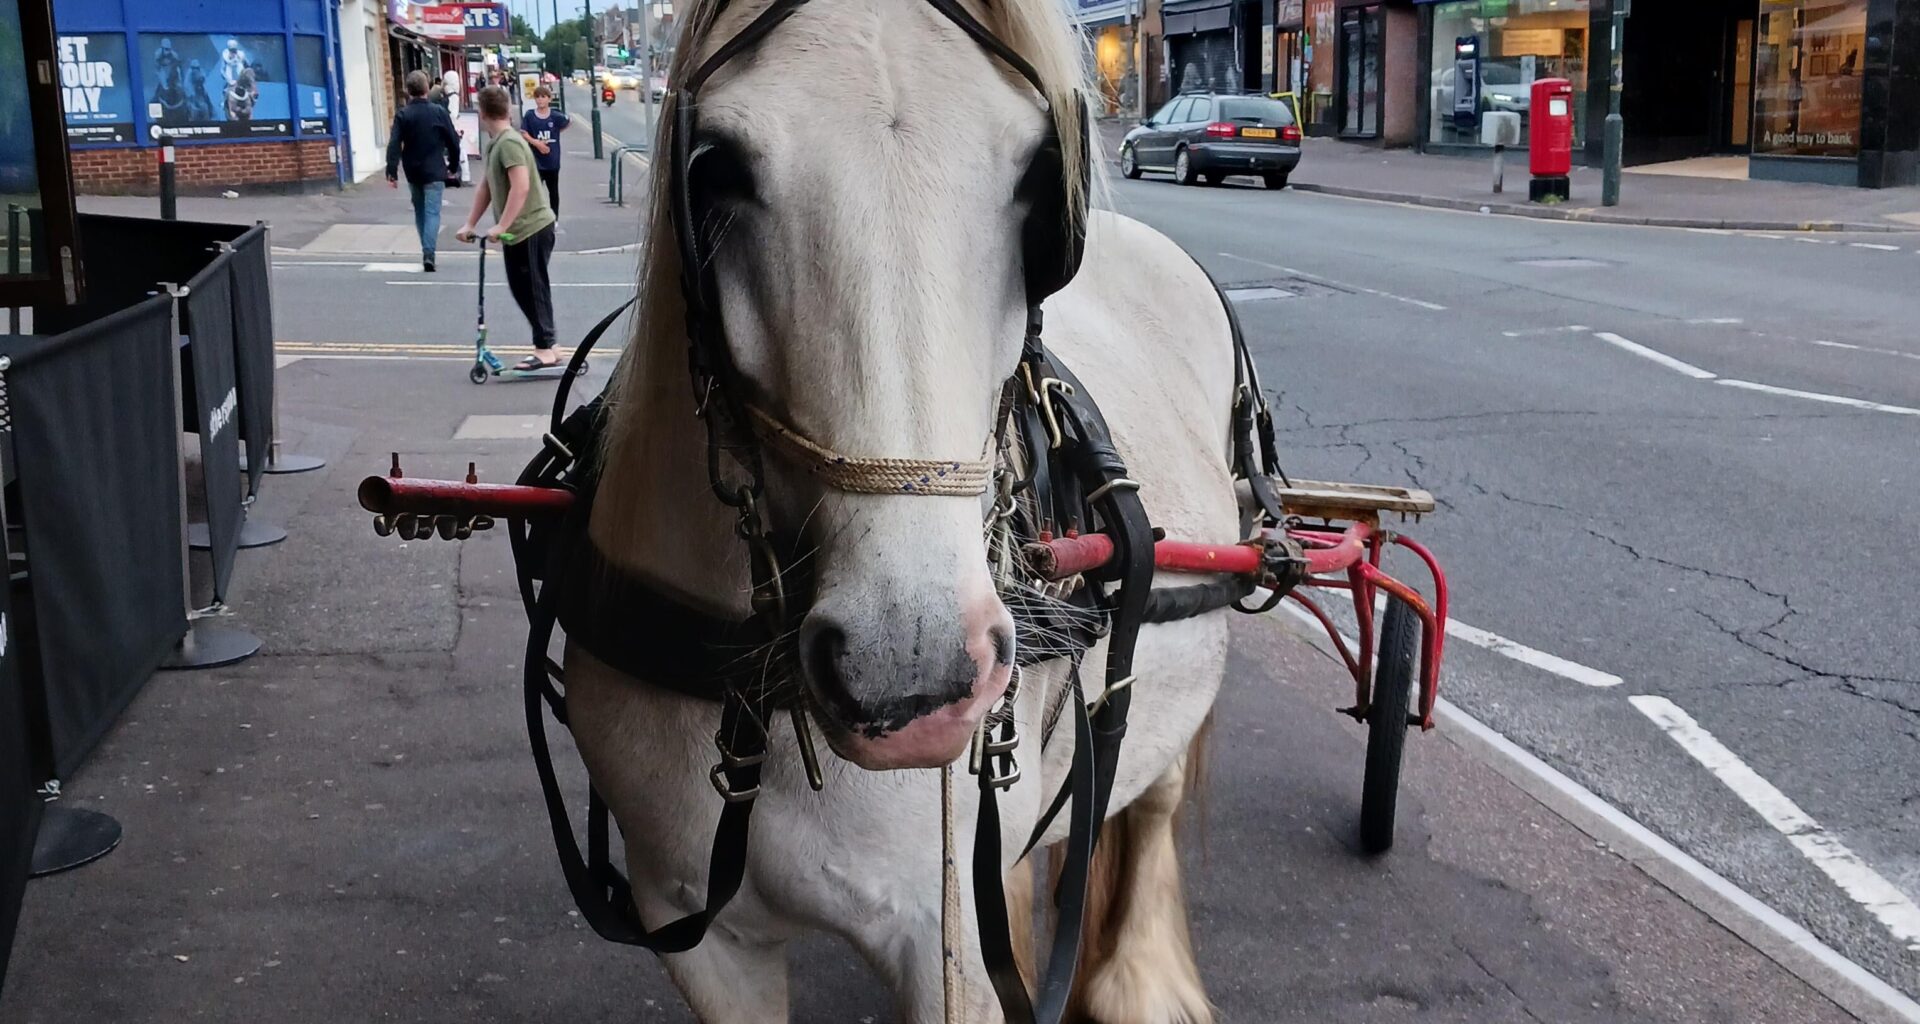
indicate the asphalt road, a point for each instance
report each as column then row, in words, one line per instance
column 1730, row 557
column 1745, row 555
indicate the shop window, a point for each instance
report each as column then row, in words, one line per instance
column 1806, row 96
column 1360, row 31
column 1515, row 42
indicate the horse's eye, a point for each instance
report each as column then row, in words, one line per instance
column 719, row 175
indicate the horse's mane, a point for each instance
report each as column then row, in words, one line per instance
column 1036, row 29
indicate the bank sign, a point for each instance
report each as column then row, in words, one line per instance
column 95, row 90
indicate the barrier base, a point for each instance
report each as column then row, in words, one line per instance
column 70, row 837
column 252, row 535
column 294, row 463
column 210, row 646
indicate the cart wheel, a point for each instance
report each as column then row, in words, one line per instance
column 478, row 374
column 584, row 367
column 1387, row 724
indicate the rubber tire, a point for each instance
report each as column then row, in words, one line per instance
column 478, row 374
column 1387, row 724
column 584, row 367
column 1275, row 181
column 1182, row 169
column 1129, row 162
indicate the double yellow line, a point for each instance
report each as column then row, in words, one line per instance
column 407, row 350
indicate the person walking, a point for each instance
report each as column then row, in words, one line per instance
column 541, row 127
column 424, row 142
column 522, row 220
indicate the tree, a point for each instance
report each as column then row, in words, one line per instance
column 522, row 34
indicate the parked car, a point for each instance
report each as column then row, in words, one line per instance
column 1207, row 136
column 1502, row 87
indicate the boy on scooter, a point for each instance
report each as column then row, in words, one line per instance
column 523, row 220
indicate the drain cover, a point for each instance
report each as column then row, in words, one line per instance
column 1277, row 288
column 1561, row 262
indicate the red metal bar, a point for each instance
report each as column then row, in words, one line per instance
column 396, row 496
column 1062, row 557
column 1333, row 634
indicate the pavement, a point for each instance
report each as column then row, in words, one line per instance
column 1360, row 171
column 347, row 827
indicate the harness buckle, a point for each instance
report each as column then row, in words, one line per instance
column 732, row 762
column 1101, row 701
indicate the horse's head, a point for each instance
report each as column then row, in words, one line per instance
column 861, row 182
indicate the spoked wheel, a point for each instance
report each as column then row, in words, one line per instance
column 1182, row 169
column 584, row 367
column 478, row 374
column 1129, row 162
column 1387, row 723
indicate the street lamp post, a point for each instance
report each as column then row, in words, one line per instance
column 593, row 81
column 1616, row 133
column 646, row 67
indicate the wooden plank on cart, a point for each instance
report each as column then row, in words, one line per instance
column 1320, row 499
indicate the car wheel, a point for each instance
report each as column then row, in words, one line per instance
column 1275, row 181
column 1129, row 164
column 1182, row 169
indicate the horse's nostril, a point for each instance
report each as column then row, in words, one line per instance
column 822, row 648
column 1002, row 645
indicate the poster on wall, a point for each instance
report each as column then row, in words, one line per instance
column 215, row 85
column 95, row 91
column 310, row 85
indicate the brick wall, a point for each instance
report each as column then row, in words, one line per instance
column 203, row 167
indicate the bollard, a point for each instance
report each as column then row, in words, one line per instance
column 168, row 206
column 1499, row 169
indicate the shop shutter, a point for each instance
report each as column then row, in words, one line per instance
column 1204, row 60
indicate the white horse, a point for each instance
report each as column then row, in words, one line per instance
column 868, row 157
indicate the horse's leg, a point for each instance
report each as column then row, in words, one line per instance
column 730, row 981
column 1139, row 967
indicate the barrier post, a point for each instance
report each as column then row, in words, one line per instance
column 14, row 212
column 168, row 206
column 205, row 645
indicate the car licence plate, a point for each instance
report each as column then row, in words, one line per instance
column 1259, row 133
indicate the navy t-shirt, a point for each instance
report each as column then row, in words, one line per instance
column 547, row 130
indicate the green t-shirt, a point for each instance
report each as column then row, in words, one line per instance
column 508, row 150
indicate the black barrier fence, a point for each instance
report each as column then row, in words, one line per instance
column 212, row 407
column 128, row 258
column 19, row 804
column 95, row 440
column 253, row 349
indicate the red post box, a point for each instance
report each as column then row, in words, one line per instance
column 1550, row 139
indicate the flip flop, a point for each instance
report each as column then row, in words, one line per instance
column 532, row 363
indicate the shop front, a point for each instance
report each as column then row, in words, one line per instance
column 1374, row 71
column 1111, row 28
column 1288, row 48
column 247, row 91
column 1483, row 56
column 1789, row 85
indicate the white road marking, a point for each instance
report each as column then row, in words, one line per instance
column 394, row 268
column 1816, row 396
column 1867, row 348
column 1541, row 660
column 1531, row 331
column 1514, row 649
column 1659, row 357
column 1757, row 234
column 1865, row 885
column 1422, row 303
column 1875, row 246
column 1720, row 320
column 1818, row 241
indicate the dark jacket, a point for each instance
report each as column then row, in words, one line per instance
column 424, row 141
